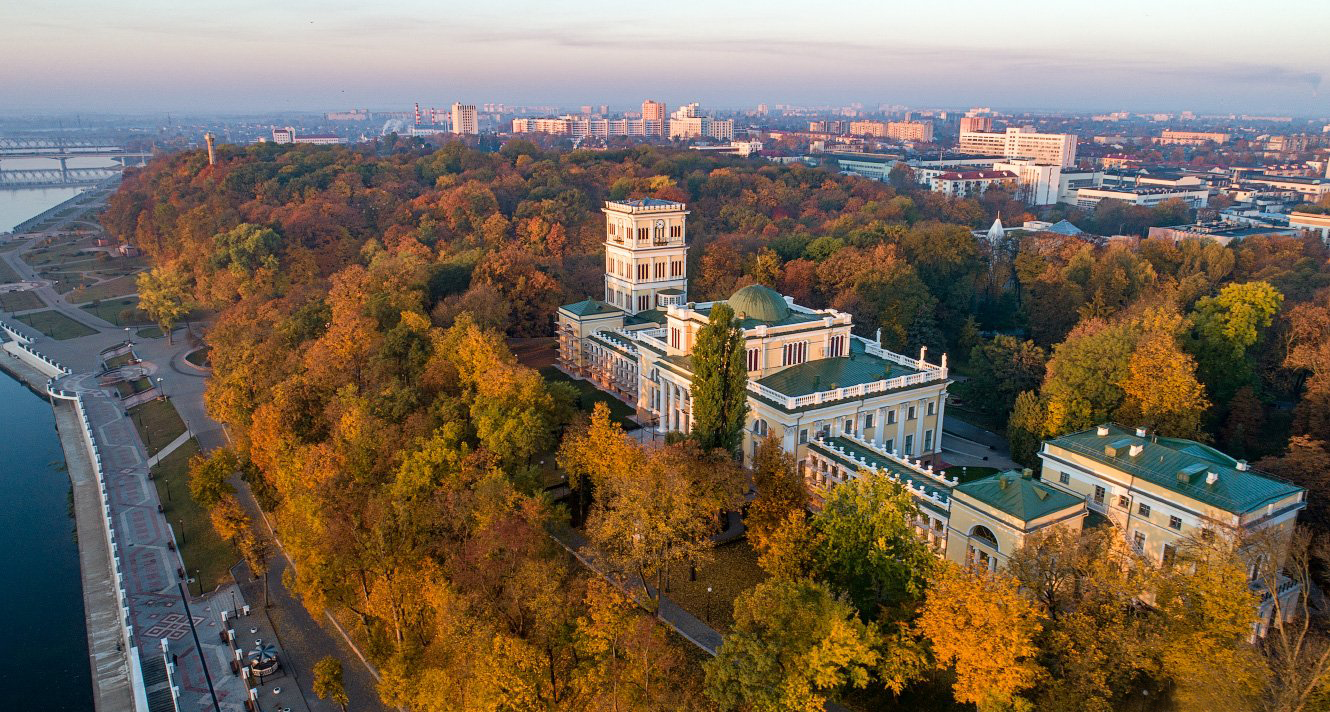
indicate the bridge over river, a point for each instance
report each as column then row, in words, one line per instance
column 60, row 151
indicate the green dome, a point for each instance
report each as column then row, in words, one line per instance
column 760, row 303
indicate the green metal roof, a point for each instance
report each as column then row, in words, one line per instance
column 1181, row 466
column 851, row 453
column 650, row 316
column 825, row 374
column 589, row 307
column 748, row 321
column 761, row 303
column 1026, row 499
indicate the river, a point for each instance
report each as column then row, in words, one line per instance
column 19, row 204
column 43, row 639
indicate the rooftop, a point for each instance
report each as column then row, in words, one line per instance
column 589, row 307
column 1179, row 465
column 643, row 205
column 854, row 454
column 977, row 175
column 826, row 374
column 1019, row 495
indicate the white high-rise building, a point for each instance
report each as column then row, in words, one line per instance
column 1016, row 142
column 689, row 122
column 464, row 119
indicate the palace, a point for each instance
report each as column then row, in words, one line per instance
column 845, row 407
column 808, row 375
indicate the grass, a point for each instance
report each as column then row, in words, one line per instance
column 110, row 289
column 121, row 312
column 20, row 301
column 7, row 273
column 732, row 570
column 158, row 423
column 198, row 357
column 55, row 325
column 150, row 332
column 121, row 360
column 200, row 547
column 589, row 396
column 129, row 388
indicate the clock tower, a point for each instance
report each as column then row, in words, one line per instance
column 646, row 254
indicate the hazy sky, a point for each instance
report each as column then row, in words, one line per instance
column 241, row 55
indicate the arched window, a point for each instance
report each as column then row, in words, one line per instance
column 985, row 535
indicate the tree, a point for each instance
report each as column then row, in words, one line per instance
column 1083, row 385
column 1003, row 368
column 868, row 548
column 1027, row 427
column 793, row 644
column 780, row 491
column 328, row 683
column 1160, row 387
column 720, row 382
column 228, row 519
column 163, row 296
column 1306, row 463
column 256, row 549
column 1228, row 325
column 979, row 624
column 208, row 476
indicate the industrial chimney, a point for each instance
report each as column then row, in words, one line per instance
column 212, row 157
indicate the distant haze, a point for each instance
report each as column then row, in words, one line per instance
column 240, row 55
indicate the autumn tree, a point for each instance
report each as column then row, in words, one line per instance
column 1160, row 388
column 1027, row 427
column 867, row 546
column 793, row 645
column 1228, row 325
column 163, row 295
column 720, row 382
column 1306, row 462
column 780, row 491
column 328, row 683
column 980, row 625
column 208, row 476
column 1003, row 367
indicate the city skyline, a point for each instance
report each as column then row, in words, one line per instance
column 249, row 56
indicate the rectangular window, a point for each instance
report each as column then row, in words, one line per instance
column 643, row 233
column 909, row 444
column 803, row 436
column 891, row 445
column 1175, row 523
column 1143, row 509
column 849, row 425
column 1170, row 553
column 658, row 270
column 1099, row 493
column 1138, row 541
column 674, row 337
column 643, row 302
column 868, row 420
column 643, row 271
column 928, row 441
column 932, row 407
column 752, row 359
column 909, row 413
column 676, row 268
column 1064, row 478
column 891, row 417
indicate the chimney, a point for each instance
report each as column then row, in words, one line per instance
column 1027, row 473
column 1211, row 478
column 1101, row 431
column 1135, row 450
column 1140, row 431
column 212, row 157
column 1241, row 466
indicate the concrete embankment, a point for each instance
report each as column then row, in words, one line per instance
column 112, row 690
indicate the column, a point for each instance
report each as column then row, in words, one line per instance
column 880, row 426
column 941, row 411
column 664, row 406
column 688, row 412
column 899, row 445
column 920, row 409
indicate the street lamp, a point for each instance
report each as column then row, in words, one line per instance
column 200, row 580
column 181, row 522
column 162, row 387
column 708, row 605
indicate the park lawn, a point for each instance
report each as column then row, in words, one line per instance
column 64, row 282
column 7, row 273
column 732, row 570
column 198, row 357
column 199, row 544
column 129, row 388
column 118, row 361
column 121, row 312
column 589, row 396
column 158, row 423
column 150, row 332
column 55, row 325
column 110, row 289
column 20, row 301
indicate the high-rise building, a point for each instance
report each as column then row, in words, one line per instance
column 689, row 122
column 464, row 119
column 976, row 123
column 1191, row 138
column 1016, row 142
column 655, row 111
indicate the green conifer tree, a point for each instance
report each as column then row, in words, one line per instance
column 720, row 382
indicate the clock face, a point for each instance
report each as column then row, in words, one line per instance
column 660, row 223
